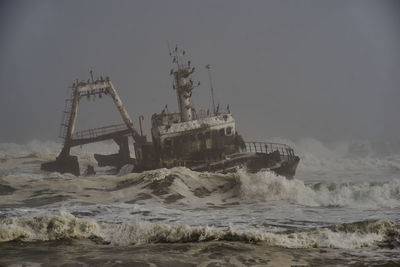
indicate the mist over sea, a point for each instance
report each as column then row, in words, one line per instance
column 341, row 209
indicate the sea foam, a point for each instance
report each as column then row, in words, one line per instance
column 268, row 186
column 66, row 226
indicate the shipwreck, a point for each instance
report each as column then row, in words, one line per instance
column 201, row 141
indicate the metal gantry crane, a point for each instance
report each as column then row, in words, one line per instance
column 119, row 133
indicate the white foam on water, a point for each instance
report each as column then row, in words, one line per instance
column 197, row 189
column 46, row 227
column 66, row 226
column 341, row 186
column 376, row 160
column 126, row 169
column 268, row 186
column 34, row 148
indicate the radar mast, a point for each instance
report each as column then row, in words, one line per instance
column 183, row 84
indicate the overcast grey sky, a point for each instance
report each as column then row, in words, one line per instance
column 320, row 69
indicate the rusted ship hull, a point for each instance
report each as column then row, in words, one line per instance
column 252, row 162
column 252, row 156
column 67, row 164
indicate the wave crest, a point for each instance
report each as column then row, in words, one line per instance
column 66, row 226
column 46, row 228
column 269, row 187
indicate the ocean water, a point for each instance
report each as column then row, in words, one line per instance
column 341, row 209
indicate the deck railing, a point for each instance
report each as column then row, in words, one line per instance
column 266, row 147
column 202, row 114
column 93, row 133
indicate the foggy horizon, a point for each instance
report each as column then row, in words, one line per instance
column 289, row 69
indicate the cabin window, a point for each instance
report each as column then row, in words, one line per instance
column 184, row 138
column 208, row 135
column 192, row 137
column 222, row 132
column 229, row 131
column 200, row 136
column 168, row 142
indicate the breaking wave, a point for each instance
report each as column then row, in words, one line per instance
column 66, row 226
column 363, row 156
column 120, row 208
column 268, row 186
column 184, row 186
column 34, row 148
column 192, row 188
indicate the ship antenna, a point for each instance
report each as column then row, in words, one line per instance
column 91, row 75
column 208, row 67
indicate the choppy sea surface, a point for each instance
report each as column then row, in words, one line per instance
column 341, row 209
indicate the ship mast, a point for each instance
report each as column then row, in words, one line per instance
column 208, row 67
column 183, row 84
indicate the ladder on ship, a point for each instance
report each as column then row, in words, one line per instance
column 65, row 118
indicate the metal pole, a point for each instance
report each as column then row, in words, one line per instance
column 208, row 67
column 141, row 117
column 124, row 114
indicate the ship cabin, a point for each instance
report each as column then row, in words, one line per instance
column 199, row 141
